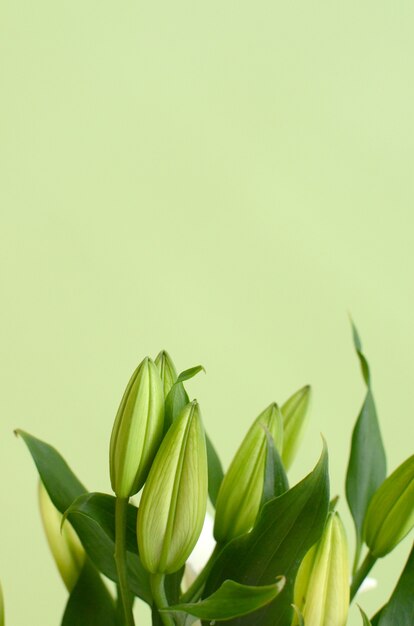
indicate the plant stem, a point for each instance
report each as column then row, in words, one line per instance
column 160, row 598
column 194, row 591
column 361, row 573
column 121, row 505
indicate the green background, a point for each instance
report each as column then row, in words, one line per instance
column 226, row 180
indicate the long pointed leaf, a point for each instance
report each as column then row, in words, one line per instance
column 60, row 482
column 286, row 528
column 90, row 602
column 231, row 600
column 400, row 607
column 93, row 518
column 367, row 463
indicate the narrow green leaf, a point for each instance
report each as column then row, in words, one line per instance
column 286, row 528
column 367, row 463
column 400, row 607
column 231, row 600
column 100, row 507
column 190, row 373
column 275, row 479
column 60, row 482
column 93, row 518
column 90, row 602
column 365, row 619
column 215, row 471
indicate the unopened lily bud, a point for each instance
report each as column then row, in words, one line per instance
column 390, row 514
column 241, row 490
column 63, row 541
column 322, row 583
column 137, row 430
column 174, row 501
column 167, row 371
column 294, row 412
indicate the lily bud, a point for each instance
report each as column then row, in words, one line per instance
column 390, row 514
column 64, row 543
column 174, row 501
column 322, row 583
column 241, row 490
column 137, row 430
column 294, row 413
column 167, row 371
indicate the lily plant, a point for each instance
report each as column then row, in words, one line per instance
column 280, row 554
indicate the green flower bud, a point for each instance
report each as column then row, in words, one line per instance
column 174, row 501
column 137, row 430
column 167, row 371
column 241, row 490
column 63, row 541
column 322, row 583
column 294, row 413
column 390, row 514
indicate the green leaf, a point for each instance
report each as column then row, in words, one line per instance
column 190, row 373
column 286, row 528
column 275, row 479
column 60, row 482
column 100, row 507
column 367, row 463
column 365, row 619
column 64, row 488
column 399, row 610
column 215, row 471
column 93, row 517
column 90, row 602
column 230, row 600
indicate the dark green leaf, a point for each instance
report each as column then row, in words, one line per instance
column 190, row 373
column 365, row 619
column 286, row 528
column 60, row 482
column 275, row 479
column 367, row 463
column 174, row 404
column 399, row 610
column 90, row 602
column 362, row 359
column 95, row 526
column 215, row 471
column 231, row 600
column 100, row 507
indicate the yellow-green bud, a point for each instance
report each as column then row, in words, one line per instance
column 241, row 490
column 63, row 541
column 322, row 583
column 294, row 412
column 174, row 501
column 167, row 371
column 390, row 514
column 137, row 430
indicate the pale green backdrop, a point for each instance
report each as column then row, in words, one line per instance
column 223, row 179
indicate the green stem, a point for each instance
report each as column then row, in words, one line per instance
column 121, row 505
column 160, row 598
column 361, row 574
column 195, row 590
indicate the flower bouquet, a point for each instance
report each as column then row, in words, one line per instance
column 280, row 555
